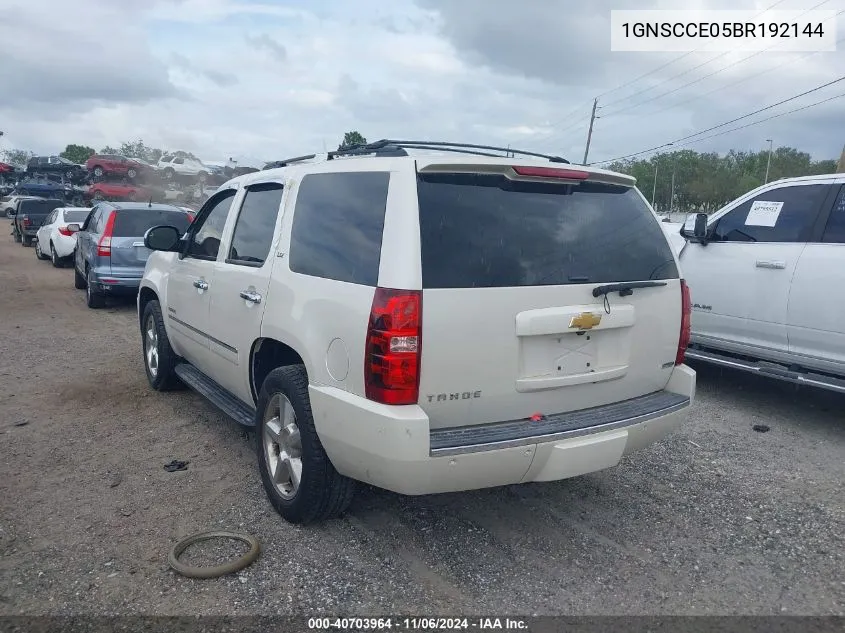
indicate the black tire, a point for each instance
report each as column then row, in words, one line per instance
column 165, row 377
column 98, row 195
column 54, row 258
column 323, row 493
column 93, row 299
column 38, row 252
column 98, row 172
column 78, row 280
column 26, row 241
column 168, row 173
column 16, row 236
column 131, row 173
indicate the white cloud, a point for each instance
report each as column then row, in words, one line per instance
column 272, row 79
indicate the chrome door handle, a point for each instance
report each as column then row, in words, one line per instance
column 251, row 296
column 201, row 284
column 776, row 265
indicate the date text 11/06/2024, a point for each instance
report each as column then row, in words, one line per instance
column 416, row 624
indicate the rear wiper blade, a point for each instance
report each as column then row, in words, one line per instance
column 625, row 289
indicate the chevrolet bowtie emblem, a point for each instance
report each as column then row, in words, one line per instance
column 585, row 321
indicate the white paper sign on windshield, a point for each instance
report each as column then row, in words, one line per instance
column 763, row 213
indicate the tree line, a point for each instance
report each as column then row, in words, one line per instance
column 705, row 182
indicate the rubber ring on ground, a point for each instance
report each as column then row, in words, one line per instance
column 218, row 570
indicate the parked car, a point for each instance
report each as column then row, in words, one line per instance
column 423, row 323
column 768, row 272
column 116, row 191
column 172, row 166
column 54, row 240
column 110, row 255
column 55, row 165
column 43, row 188
column 30, row 215
column 100, row 165
column 9, row 204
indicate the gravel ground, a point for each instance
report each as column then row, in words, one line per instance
column 716, row 519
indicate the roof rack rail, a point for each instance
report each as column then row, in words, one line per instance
column 440, row 145
column 390, row 147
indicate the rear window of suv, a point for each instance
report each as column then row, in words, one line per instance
column 484, row 231
column 135, row 222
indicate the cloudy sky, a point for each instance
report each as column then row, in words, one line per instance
column 266, row 79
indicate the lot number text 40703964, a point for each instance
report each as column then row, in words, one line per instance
column 417, row 624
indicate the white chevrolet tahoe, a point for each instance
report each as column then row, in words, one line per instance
column 423, row 321
column 768, row 273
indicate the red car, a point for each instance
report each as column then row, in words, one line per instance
column 5, row 168
column 116, row 191
column 101, row 164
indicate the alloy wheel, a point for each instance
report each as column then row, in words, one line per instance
column 283, row 446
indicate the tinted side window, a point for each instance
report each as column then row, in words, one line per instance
column 789, row 218
column 205, row 239
column 256, row 224
column 486, row 231
column 338, row 225
column 835, row 230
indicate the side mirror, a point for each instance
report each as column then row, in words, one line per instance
column 695, row 226
column 73, row 228
column 162, row 238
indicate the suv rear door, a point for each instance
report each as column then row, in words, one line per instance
column 241, row 281
column 509, row 264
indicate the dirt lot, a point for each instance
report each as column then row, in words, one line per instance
column 716, row 519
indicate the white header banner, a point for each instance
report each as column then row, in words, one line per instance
column 697, row 30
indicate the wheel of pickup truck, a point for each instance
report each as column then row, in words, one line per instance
column 93, row 298
column 16, row 236
column 159, row 358
column 298, row 477
column 26, row 241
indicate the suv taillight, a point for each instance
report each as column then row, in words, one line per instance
column 686, row 323
column 393, row 347
column 104, row 245
column 26, row 221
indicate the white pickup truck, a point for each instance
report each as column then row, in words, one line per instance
column 767, row 278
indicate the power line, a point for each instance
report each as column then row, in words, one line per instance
column 769, row 118
column 695, row 81
column 677, row 59
column 715, row 127
column 741, row 80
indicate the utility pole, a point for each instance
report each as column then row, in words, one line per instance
column 840, row 168
column 672, row 195
column 590, row 133
column 654, row 187
column 769, row 161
